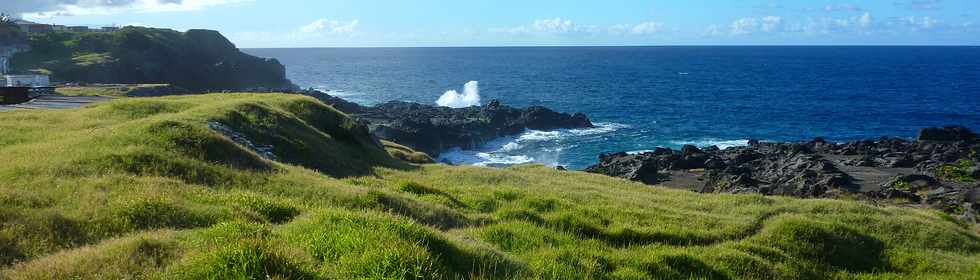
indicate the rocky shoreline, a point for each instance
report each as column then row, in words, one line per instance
column 434, row 129
column 938, row 169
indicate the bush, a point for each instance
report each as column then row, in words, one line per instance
column 958, row 172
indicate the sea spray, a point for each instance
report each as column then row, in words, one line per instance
column 469, row 97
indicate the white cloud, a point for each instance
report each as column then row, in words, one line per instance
column 555, row 25
column 713, row 30
column 330, row 27
column 920, row 5
column 863, row 24
column 541, row 27
column 560, row 26
column 56, row 8
column 646, row 28
column 922, row 22
column 771, row 23
column 865, row 20
column 768, row 24
column 841, row 8
column 744, row 26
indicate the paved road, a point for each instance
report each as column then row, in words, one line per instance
column 55, row 102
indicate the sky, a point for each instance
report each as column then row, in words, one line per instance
column 426, row 23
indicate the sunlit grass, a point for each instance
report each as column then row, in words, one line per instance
column 141, row 188
column 104, row 90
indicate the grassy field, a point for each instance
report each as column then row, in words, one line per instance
column 141, row 188
column 104, row 90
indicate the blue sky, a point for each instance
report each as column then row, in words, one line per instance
column 340, row 23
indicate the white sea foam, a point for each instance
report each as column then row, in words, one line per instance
column 469, row 97
column 532, row 146
column 600, row 128
column 469, row 157
column 723, row 144
column 512, row 146
column 356, row 97
column 537, row 135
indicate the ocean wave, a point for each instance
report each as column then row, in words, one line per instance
column 600, row 128
column 511, row 146
column 356, row 97
column 470, row 157
column 337, row 93
column 532, row 146
column 723, row 144
column 537, row 135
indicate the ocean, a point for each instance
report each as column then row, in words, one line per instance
column 647, row 97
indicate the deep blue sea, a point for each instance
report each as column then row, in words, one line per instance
column 644, row 97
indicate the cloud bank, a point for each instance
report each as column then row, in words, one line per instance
column 330, row 27
column 560, row 26
column 754, row 25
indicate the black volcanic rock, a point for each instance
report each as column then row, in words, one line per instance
column 767, row 168
column 434, row 129
column 946, row 134
column 541, row 118
column 819, row 168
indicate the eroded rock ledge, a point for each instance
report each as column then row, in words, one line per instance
column 433, row 129
column 939, row 168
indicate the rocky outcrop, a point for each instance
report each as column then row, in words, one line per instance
column 433, row 129
column 939, row 169
column 198, row 60
column 264, row 151
column 766, row 168
column 946, row 134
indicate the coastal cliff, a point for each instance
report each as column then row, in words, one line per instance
column 199, row 60
column 434, row 129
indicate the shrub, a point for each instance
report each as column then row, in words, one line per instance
column 956, row 172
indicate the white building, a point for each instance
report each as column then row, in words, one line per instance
column 26, row 81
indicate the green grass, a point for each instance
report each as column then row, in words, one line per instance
column 142, row 189
column 406, row 154
column 92, row 59
column 108, row 90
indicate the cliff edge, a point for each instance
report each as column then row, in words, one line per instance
column 199, row 60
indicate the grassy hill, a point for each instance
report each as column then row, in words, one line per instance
column 147, row 188
column 198, row 60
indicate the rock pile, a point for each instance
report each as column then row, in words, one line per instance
column 264, row 151
column 938, row 169
column 433, row 129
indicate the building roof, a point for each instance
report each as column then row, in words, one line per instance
column 20, row 21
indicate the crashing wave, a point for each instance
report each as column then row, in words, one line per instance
column 532, row 146
column 470, row 97
column 722, row 144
